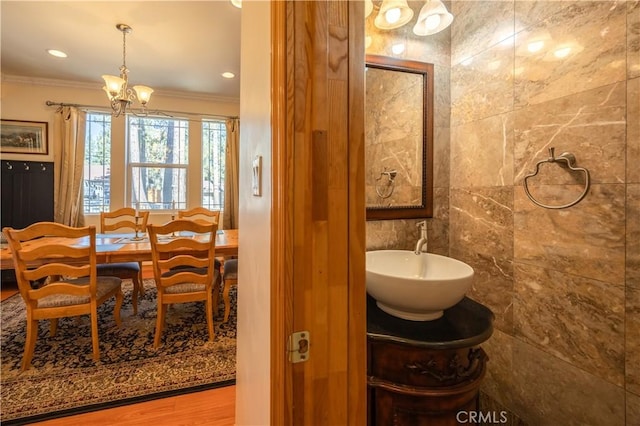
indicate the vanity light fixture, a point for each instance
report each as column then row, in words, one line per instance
column 368, row 7
column 433, row 18
column 120, row 95
column 228, row 74
column 393, row 14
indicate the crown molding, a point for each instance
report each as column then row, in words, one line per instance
column 47, row 82
column 98, row 86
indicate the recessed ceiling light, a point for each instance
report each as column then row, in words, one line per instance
column 228, row 74
column 57, row 53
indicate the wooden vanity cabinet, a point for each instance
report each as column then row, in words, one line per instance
column 426, row 373
column 410, row 385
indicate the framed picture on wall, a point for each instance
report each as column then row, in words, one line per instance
column 23, row 137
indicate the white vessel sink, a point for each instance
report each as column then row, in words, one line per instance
column 416, row 287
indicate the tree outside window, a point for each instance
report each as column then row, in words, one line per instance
column 214, row 139
column 158, row 160
column 97, row 163
column 157, row 163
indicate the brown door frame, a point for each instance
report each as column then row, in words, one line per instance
column 281, row 227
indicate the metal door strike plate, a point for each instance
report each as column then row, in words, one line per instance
column 298, row 346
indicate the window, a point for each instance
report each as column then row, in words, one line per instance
column 214, row 139
column 156, row 163
column 97, row 162
column 158, row 160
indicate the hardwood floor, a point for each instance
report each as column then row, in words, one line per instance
column 212, row 407
column 215, row 407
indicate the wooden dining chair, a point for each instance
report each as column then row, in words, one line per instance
column 72, row 285
column 183, row 268
column 229, row 278
column 201, row 214
column 124, row 219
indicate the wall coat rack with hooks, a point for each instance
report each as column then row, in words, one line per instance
column 26, row 166
column 26, row 192
column 566, row 159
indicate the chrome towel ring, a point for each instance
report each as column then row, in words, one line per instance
column 569, row 160
column 390, row 183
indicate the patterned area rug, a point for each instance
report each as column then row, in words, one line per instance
column 64, row 380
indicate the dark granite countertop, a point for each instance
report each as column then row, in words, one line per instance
column 466, row 324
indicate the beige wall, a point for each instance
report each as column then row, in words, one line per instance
column 254, row 336
column 564, row 284
column 24, row 99
column 435, row 49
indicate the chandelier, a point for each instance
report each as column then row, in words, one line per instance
column 120, row 95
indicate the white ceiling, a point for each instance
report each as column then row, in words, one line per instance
column 175, row 46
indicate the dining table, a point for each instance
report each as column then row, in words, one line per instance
column 129, row 247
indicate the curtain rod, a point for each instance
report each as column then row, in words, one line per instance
column 157, row 111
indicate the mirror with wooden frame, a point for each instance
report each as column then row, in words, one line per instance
column 398, row 138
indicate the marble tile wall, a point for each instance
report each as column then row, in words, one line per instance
column 435, row 49
column 564, row 284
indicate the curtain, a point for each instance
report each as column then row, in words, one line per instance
column 68, row 157
column 231, row 193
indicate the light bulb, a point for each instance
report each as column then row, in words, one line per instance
column 433, row 18
column 113, row 84
column 393, row 15
column 432, row 22
column 144, row 93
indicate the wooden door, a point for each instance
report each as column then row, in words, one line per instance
column 318, row 238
